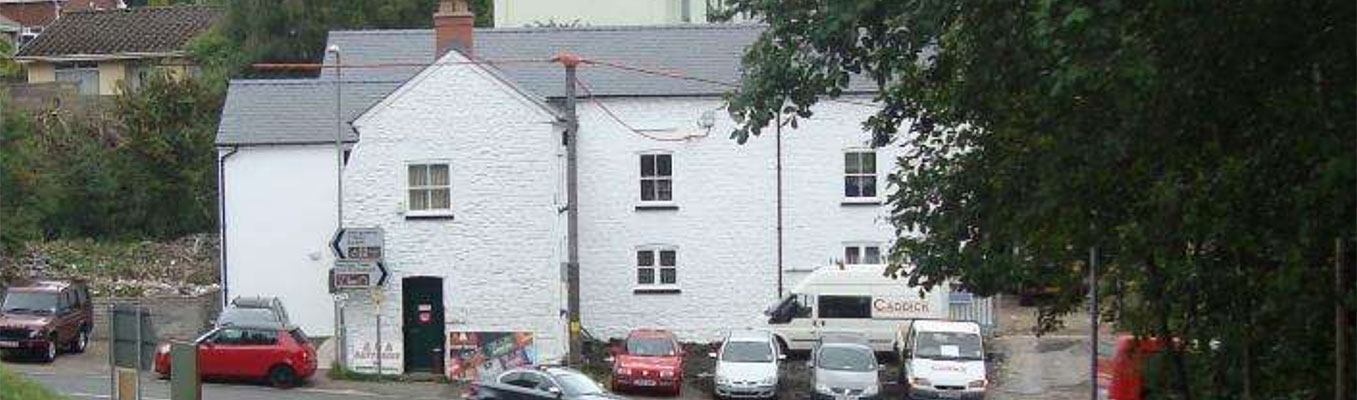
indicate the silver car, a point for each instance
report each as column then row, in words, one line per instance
column 844, row 367
column 747, row 365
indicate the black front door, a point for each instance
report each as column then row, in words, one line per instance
column 422, row 305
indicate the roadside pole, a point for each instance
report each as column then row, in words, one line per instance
column 339, row 197
column 1093, row 321
column 570, row 61
column 377, row 299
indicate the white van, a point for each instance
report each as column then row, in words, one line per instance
column 942, row 360
column 855, row 298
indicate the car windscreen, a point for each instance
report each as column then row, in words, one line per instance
column 650, row 346
column 247, row 316
column 41, row 303
column 747, row 352
column 844, row 358
column 948, row 346
column 575, row 384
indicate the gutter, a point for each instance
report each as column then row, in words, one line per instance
column 221, row 222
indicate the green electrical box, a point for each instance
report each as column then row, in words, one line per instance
column 184, row 381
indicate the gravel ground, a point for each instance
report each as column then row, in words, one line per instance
column 1054, row 366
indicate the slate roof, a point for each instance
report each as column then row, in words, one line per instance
column 293, row 111
column 123, row 32
column 706, row 51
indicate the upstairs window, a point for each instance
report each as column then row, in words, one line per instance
column 428, row 188
column 862, row 254
column 859, row 175
column 657, row 178
column 656, row 266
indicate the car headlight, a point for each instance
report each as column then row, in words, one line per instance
column 623, row 371
column 871, row 390
column 721, row 380
column 669, row 373
column 823, row 389
column 34, row 334
column 917, row 381
column 977, row 384
column 768, row 381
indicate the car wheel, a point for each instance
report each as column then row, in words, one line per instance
column 282, row 376
column 49, row 354
column 82, row 341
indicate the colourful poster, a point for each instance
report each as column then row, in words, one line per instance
column 473, row 356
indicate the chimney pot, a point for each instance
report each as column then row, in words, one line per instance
column 452, row 25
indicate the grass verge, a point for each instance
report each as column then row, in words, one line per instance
column 16, row 387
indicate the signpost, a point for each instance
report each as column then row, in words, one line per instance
column 358, row 265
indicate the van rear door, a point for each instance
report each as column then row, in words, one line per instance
column 850, row 313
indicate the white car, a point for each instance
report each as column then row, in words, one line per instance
column 747, row 365
column 942, row 360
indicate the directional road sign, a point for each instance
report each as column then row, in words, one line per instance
column 358, row 243
column 357, row 274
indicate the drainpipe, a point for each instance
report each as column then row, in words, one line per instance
column 778, row 139
column 221, row 222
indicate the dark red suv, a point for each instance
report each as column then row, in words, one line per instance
column 44, row 318
column 281, row 355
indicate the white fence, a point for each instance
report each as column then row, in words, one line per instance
column 967, row 307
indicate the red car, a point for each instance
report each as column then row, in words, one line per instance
column 1121, row 360
column 648, row 359
column 281, row 355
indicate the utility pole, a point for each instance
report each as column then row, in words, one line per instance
column 1093, row 321
column 571, row 61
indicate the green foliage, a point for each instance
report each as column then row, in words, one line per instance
column 294, row 31
column 1205, row 149
column 18, row 387
column 9, row 69
column 147, row 169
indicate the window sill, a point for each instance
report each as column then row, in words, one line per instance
column 409, row 215
column 657, row 206
column 861, row 201
column 656, row 290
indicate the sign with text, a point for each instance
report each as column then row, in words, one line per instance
column 363, row 357
column 476, row 356
column 358, row 243
column 357, row 274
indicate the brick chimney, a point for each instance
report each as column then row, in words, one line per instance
column 452, row 27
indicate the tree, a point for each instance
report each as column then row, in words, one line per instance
column 294, row 31
column 1205, row 148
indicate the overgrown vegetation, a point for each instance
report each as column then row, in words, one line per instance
column 295, row 31
column 1204, row 149
column 145, row 167
column 16, row 387
column 143, row 170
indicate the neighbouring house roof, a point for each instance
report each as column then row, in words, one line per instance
column 42, row 12
column 294, row 111
column 706, row 51
column 131, row 33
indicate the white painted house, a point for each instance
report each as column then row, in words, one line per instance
column 462, row 166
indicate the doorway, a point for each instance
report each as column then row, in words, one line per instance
column 422, row 315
